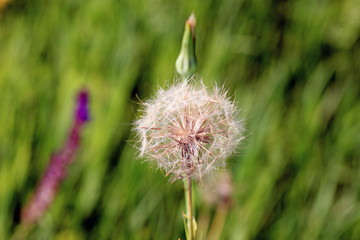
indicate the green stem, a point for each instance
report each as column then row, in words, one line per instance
column 218, row 222
column 189, row 208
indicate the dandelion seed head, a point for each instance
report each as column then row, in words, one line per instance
column 218, row 189
column 189, row 130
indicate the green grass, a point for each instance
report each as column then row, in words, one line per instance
column 292, row 66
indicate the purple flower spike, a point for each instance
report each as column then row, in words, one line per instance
column 56, row 170
column 82, row 111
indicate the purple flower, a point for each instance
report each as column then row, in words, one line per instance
column 82, row 111
column 56, row 170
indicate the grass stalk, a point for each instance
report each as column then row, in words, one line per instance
column 218, row 222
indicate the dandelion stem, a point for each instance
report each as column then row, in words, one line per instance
column 189, row 208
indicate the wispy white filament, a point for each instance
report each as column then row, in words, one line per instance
column 189, row 130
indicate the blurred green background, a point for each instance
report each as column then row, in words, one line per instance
column 292, row 66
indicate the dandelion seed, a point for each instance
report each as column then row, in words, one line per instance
column 219, row 189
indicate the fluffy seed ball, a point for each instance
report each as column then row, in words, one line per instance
column 189, row 131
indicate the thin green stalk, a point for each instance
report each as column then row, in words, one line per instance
column 218, row 222
column 203, row 222
column 190, row 233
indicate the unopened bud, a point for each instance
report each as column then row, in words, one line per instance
column 186, row 62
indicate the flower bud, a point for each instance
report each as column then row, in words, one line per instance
column 186, row 62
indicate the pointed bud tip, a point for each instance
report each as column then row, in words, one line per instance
column 192, row 20
column 186, row 62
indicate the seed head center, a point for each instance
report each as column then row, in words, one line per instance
column 190, row 137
